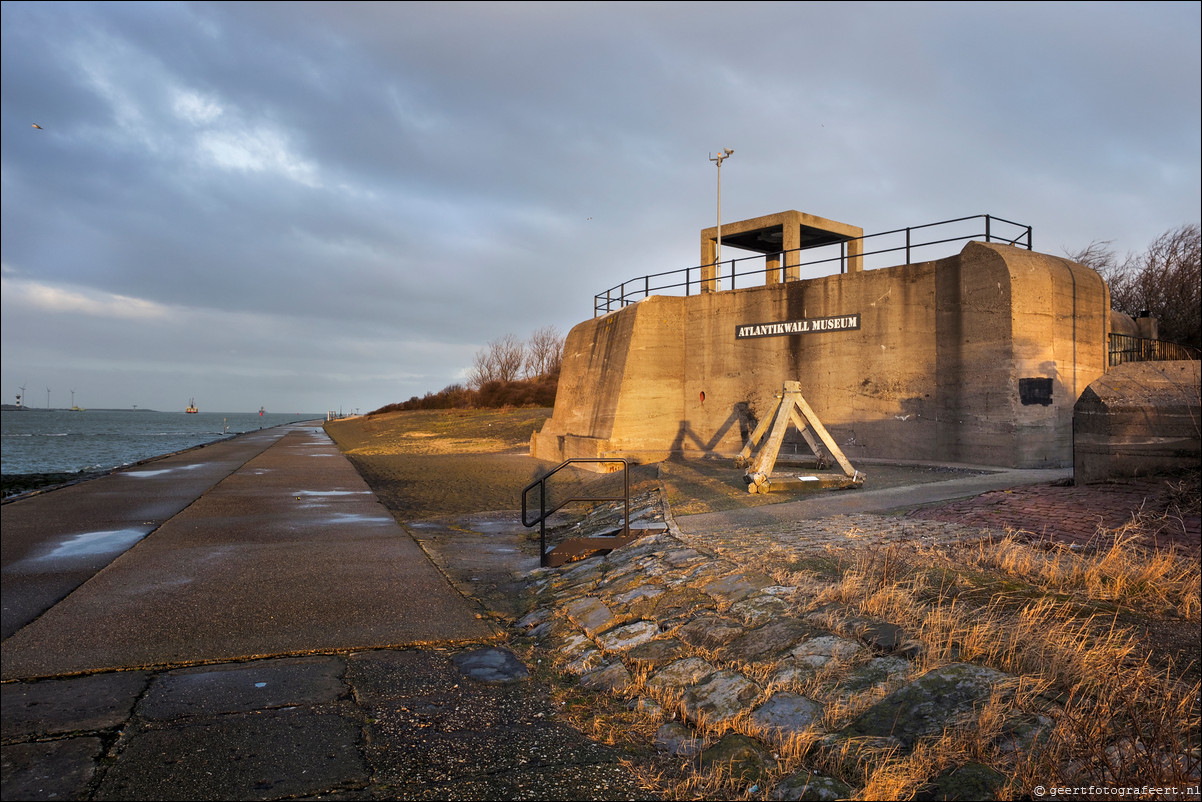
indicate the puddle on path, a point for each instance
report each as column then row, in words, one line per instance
column 162, row 471
column 352, row 518
column 93, row 543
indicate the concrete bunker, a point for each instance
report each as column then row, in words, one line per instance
column 975, row 358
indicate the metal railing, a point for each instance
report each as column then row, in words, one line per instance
column 903, row 240
column 1129, row 348
column 544, row 513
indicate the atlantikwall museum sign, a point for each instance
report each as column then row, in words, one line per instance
column 804, row 326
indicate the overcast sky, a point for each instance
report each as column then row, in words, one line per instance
column 321, row 206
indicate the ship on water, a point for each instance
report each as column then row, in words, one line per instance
column 191, row 410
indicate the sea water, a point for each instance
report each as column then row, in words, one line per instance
column 63, row 441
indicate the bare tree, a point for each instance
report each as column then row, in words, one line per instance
column 544, row 352
column 510, row 356
column 481, row 371
column 1168, row 283
column 1099, row 256
column 1165, row 281
column 501, row 360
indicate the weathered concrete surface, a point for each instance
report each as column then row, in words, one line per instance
column 787, row 231
column 290, row 553
column 53, row 543
column 1141, row 418
column 409, row 724
column 978, row 357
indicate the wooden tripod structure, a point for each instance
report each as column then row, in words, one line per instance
column 791, row 408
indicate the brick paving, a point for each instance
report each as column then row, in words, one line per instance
column 1067, row 513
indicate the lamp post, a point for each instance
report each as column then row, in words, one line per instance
column 725, row 154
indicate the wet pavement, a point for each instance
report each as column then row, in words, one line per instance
column 276, row 634
column 425, row 723
column 54, row 543
column 289, row 553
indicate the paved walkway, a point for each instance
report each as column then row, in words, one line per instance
column 289, row 553
column 247, row 621
column 55, row 542
column 848, row 502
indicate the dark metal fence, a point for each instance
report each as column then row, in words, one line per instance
column 1127, row 348
column 906, row 241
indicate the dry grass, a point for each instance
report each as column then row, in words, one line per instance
column 1098, row 705
column 1157, row 582
column 1114, row 714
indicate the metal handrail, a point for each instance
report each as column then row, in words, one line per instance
column 544, row 513
column 1129, row 348
column 628, row 292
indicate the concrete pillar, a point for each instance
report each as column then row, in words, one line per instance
column 790, row 242
column 855, row 255
column 709, row 250
column 1147, row 326
column 772, row 268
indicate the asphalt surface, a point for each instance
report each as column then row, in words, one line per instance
column 247, row 621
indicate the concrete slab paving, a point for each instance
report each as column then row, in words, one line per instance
column 243, row 687
column 54, row 542
column 290, row 553
column 265, row 754
column 50, row 769
column 72, row 704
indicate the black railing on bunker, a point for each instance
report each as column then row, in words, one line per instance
column 1129, row 348
column 544, row 513
column 689, row 278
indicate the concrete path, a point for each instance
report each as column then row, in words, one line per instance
column 55, row 542
column 289, row 552
column 848, row 502
column 139, row 602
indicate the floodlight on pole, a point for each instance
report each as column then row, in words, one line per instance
column 725, row 154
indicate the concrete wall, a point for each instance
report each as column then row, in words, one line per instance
column 1139, row 419
column 975, row 358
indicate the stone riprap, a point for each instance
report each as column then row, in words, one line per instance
column 700, row 633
